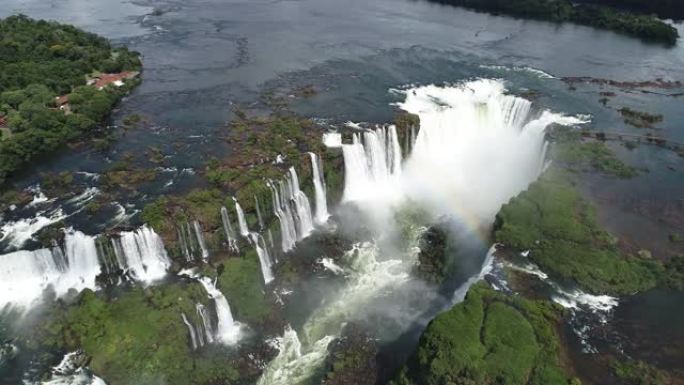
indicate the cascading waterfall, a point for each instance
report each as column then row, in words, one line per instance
column 183, row 239
column 244, row 230
column 288, row 234
column 322, row 214
column 200, row 240
column 206, row 331
column 228, row 230
column 191, row 331
column 301, row 204
column 372, row 161
column 476, row 148
column 227, row 330
column 25, row 275
column 293, row 210
column 258, row 210
column 141, row 253
column 264, row 259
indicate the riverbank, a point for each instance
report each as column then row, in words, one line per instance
column 644, row 27
column 58, row 84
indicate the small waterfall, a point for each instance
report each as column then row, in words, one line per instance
column 264, row 258
column 200, row 240
column 227, row 330
column 209, row 333
column 302, row 206
column 288, row 234
column 258, row 210
column 184, row 243
column 322, row 214
column 244, row 230
column 228, row 230
column 191, row 331
column 141, row 253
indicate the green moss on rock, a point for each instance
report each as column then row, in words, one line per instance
column 559, row 228
column 137, row 337
column 490, row 338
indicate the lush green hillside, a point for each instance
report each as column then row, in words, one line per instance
column 558, row 227
column 490, row 338
column 39, row 61
column 641, row 26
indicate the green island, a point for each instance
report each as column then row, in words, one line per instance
column 489, row 338
column 645, row 27
column 57, row 84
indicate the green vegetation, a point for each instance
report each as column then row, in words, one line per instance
column 137, row 338
column 39, row 61
column 558, row 226
column 641, row 26
column 240, row 280
column 674, row 273
column 640, row 119
column 351, row 358
column 631, row 372
column 490, row 338
column 587, row 156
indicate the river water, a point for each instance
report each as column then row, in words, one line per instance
column 204, row 58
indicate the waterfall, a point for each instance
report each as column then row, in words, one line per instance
column 288, row 234
column 228, row 230
column 258, row 210
column 476, row 148
column 227, row 330
column 302, row 206
column 200, row 240
column 244, row 231
column 141, row 253
column 191, row 331
column 320, row 189
column 264, row 259
column 206, row 331
column 372, row 161
column 24, row 275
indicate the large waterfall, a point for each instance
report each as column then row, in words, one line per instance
column 322, row 214
column 476, row 148
column 227, row 330
column 25, row 275
column 372, row 161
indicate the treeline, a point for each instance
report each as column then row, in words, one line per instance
column 40, row 60
column 645, row 27
column 667, row 9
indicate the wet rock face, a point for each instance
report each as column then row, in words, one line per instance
column 432, row 263
column 351, row 359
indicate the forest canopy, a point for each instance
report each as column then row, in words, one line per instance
column 41, row 61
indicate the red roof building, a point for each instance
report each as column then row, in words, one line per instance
column 116, row 79
column 3, row 121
